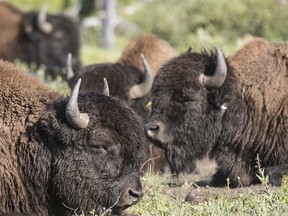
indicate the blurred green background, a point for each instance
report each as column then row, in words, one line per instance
column 196, row 23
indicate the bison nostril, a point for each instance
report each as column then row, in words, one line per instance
column 152, row 127
column 135, row 195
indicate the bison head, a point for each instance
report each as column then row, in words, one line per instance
column 189, row 97
column 125, row 82
column 96, row 150
column 48, row 39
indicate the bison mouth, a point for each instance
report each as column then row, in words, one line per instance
column 127, row 198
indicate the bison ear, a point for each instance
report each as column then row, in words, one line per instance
column 106, row 87
column 42, row 22
column 74, row 117
column 142, row 89
column 217, row 79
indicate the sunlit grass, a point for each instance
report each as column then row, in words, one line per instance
column 157, row 201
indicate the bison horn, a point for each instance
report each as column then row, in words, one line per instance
column 74, row 117
column 69, row 69
column 106, row 87
column 43, row 24
column 217, row 80
column 142, row 89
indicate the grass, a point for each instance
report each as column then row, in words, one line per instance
column 157, row 201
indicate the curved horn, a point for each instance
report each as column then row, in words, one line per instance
column 106, row 87
column 217, row 80
column 42, row 22
column 69, row 69
column 142, row 89
column 74, row 117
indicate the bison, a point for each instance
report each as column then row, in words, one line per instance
column 127, row 83
column 156, row 50
column 229, row 110
column 38, row 38
column 128, row 80
column 60, row 155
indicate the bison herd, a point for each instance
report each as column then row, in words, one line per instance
column 62, row 154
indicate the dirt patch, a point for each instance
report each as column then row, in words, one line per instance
column 194, row 194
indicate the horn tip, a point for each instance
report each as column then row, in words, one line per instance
column 217, row 49
column 69, row 58
column 142, row 56
column 78, row 83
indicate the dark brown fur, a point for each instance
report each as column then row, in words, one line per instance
column 194, row 124
column 47, row 167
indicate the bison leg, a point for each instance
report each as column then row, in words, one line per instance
column 276, row 173
column 219, row 179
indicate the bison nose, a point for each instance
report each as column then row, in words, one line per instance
column 157, row 133
column 129, row 197
column 151, row 126
column 151, row 129
column 135, row 195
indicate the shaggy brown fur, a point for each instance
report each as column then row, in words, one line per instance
column 246, row 117
column 21, row 106
column 261, row 67
column 48, row 167
column 156, row 51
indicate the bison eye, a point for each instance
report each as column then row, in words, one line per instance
column 59, row 35
column 99, row 149
column 188, row 98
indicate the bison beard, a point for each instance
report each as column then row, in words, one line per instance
column 50, row 166
column 231, row 120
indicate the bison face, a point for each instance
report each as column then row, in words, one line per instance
column 96, row 167
column 186, row 107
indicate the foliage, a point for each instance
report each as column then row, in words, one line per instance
column 207, row 22
column 158, row 202
column 54, row 6
column 264, row 179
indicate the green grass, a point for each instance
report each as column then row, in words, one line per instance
column 158, row 201
column 269, row 201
